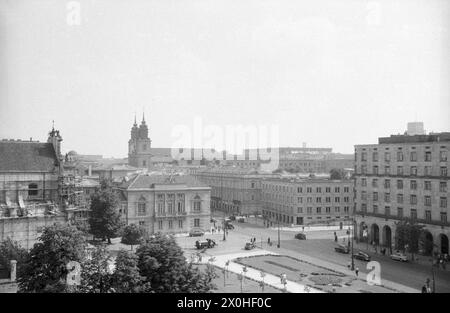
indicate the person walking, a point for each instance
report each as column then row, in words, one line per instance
column 357, row 271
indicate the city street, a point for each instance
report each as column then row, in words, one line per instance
column 320, row 245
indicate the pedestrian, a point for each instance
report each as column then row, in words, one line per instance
column 268, row 241
column 357, row 271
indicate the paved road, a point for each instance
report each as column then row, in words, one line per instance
column 320, row 245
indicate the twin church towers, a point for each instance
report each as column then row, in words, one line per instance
column 139, row 153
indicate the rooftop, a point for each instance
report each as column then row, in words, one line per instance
column 151, row 181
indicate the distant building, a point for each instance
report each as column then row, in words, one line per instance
column 139, row 146
column 306, row 201
column 166, row 203
column 403, row 178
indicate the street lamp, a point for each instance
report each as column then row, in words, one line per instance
column 353, row 238
column 278, row 218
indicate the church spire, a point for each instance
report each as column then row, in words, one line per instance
column 143, row 117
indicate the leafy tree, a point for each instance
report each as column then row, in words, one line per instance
column 132, row 234
column 11, row 250
column 408, row 235
column 44, row 269
column 104, row 220
column 96, row 275
column 161, row 262
column 126, row 277
column 337, row 174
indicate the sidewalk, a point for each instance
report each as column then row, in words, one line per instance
column 269, row 279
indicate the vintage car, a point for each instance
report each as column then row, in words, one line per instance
column 342, row 249
column 196, row 233
column 249, row 246
column 398, row 256
column 300, row 236
column 362, row 256
column 208, row 243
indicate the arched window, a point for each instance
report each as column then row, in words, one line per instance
column 32, row 189
column 142, row 209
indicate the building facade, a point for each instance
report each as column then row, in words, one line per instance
column 167, row 204
column 403, row 178
column 306, row 201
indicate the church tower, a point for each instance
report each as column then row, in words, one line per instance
column 55, row 139
column 139, row 145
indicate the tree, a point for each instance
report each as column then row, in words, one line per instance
column 11, row 250
column 132, row 235
column 96, row 275
column 408, row 235
column 161, row 262
column 337, row 174
column 126, row 277
column 45, row 268
column 104, row 220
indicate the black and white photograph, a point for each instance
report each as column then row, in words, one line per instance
column 227, row 154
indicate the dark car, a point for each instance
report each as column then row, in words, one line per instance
column 300, row 236
column 342, row 249
column 196, row 233
column 362, row 256
column 249, row 246
column 229, row 226
column 208, row 243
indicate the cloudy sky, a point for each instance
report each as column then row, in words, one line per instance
column 329, row 73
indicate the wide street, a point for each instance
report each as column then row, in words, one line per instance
column 320, row 245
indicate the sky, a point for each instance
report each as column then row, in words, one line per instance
column 326, row 73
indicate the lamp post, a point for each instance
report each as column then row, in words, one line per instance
column 353, row 238
column 278, row 219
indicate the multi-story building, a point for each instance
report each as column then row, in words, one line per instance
column 403, row 177
column 289, row 201
column 166, row 203
column 235, row 191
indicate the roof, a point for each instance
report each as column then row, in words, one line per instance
column 27, row 156
column 151, row 181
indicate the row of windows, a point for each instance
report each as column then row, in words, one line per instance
column 400, row 199
column 307, row 189
column 413, row 156
column 290, row 219
column 413, row 171
column 269, row 197
column 427, row 185
column 400, row 213
column 318, row 210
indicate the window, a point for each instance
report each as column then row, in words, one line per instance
column 142, row 207
column 33, row 189
column 337, row 199
column 375, row 196
column 337, row 209
column 413, row 185
column 253, row 185
column 399, row 170
column 328, row 189
column 347, row 189
column 387, row 170
column 299, row 189
column 309, row 210
column 413, row 214
column 299, row 210
column 387, row 156
column 196, row 222
column 399, row 184
column 413, row 171
column 337, row 189
column 443, row 171
column 399, row 156
column 319, row 200
column 400, row 212
column 387, row 197
column 413, row 156
column 428, row 215
column 427, row 156
column 427, row 201
column 443, row 186
column 364, row 208
column 318, row 190
column 387, row 210
column 375, row 156
column 141, row 223
column 363, row 195
column 375, row 182
column 144, row 163
column 427, row 185
column 375, row 209
column 443, row 202
column 170, row 224
column 400, row 198
column 160, row 224
column 363, row 169
column 309, row 189
column 444, row 217
column 387, row 183
column 443, row 156
column 363, row 156
column 413, row 199
column 319, row 210
column 180, row 223
column 428, row 171
column 375, row 170
column 328, row 199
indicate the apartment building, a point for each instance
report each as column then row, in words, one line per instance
column 403, row 177
column 306, row 201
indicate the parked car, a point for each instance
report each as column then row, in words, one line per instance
column 196, row 233
column 342, row 249
column 398, row 256
column 208, row 243
column 362, row 256
column 240, row 219
column 249, row 246
column 229, row 226
column 300, row 236
column 232, row 218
